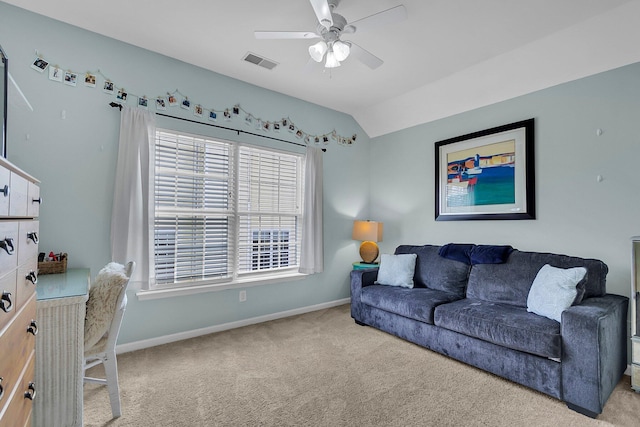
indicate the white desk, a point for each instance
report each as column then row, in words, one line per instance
column 61, row 304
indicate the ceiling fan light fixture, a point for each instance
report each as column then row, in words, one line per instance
column 317, row 51
column 332, row 61
column 331, row 25
column 341, row 50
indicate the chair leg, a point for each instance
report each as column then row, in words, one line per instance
column 111, row 370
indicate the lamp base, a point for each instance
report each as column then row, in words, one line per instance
column 369, row 252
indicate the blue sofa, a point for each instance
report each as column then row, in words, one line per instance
column 477, row 313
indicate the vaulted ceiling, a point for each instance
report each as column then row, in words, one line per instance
column 447, row 57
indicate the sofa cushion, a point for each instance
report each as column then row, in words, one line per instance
column 502, row 324
column 396, row 270
column 509, row 283
column 435, row 272
column 417, row 304
column 554, row 290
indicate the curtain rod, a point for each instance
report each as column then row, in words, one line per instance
column 119, row 106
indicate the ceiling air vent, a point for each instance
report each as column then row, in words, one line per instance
column 259, row 60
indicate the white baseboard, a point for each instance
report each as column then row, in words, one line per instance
column 165, row 339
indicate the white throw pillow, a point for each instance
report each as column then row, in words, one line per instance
column 397, row 270
column 554, row 290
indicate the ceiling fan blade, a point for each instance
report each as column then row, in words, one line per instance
column 386, row 17
column 364, row 56
column 323, row 12
column 286, row 35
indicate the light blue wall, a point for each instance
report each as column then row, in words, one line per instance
column 576, row 215
column 389, row 178
column 75, row 160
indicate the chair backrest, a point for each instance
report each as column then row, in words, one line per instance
column 97, row 325
column 121, row 303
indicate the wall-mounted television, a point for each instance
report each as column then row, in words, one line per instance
column 4, row 88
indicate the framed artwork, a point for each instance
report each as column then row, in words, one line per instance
column 486, row 175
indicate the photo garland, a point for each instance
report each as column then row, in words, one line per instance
column 176, row 98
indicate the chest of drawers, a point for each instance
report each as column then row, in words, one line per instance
column 19, row 228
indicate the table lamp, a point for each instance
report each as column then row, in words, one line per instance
column 369, row 232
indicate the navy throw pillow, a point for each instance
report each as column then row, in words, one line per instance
column 489, row 254
column 457, row 252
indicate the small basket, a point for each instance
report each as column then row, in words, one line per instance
column 53, row 267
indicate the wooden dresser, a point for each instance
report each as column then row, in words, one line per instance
column 19, row 209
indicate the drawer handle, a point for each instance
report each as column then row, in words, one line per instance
column 7, row 245
column 33, row 328
column 33, row 236
column 38, row 200
column 1, row 388
column 5, row 303
column 31, row 391
column 6, row 190
column 32, row 277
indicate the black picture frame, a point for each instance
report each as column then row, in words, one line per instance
column 506, row 191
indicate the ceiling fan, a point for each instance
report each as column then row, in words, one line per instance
column 331, row 26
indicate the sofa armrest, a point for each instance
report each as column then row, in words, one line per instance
column 360, row 279
column 594, row 351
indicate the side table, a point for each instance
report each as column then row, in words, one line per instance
column 60, row 306
column 363, row 265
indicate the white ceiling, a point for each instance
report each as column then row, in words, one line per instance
column 449, row 56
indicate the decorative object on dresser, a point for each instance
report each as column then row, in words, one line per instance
column 105, row 310
column 369, row 232
column 18, row 275
column 57, row 266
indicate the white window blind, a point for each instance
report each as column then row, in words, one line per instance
column 269, row 208
column 223, row 210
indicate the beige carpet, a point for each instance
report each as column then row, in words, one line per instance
column 321, row 369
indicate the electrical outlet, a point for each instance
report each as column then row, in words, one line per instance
column 242, row 296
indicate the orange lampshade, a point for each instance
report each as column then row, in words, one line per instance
column 368, row 232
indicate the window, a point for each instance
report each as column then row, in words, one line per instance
column 270, row 249
column 223, row 210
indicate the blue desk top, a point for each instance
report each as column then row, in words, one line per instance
column 73, row 283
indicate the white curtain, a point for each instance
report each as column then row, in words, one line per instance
column 312, row 254
column 133, row 207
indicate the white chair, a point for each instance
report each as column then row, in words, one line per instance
column 102, row 325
